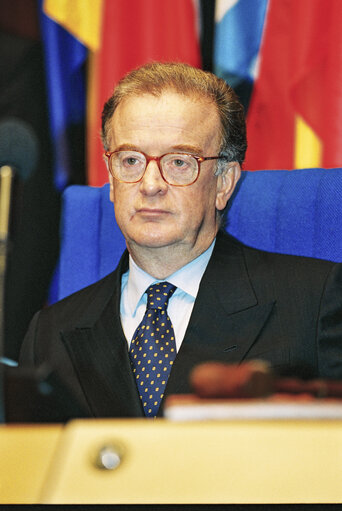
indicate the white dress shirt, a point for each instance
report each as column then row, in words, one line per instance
column 133, row 298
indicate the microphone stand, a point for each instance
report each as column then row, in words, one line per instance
column 6, row 181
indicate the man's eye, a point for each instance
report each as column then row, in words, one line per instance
column 179, row 163
column 130, row 161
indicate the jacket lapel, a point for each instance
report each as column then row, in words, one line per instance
column 226, row 319
column 99, row 353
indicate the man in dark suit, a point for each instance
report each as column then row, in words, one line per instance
column 175, row 139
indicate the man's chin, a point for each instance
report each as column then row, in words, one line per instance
column 155, row 243
column 154, row 240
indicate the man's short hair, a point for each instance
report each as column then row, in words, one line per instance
column 155, row 78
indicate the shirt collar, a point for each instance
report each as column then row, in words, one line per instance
column 187, row 279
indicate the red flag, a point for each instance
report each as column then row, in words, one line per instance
column 133, row 33
column 295, row 115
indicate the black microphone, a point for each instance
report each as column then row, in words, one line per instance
column 19, row 150
column 18, row 156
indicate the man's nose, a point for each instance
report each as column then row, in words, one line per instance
column 152, row 181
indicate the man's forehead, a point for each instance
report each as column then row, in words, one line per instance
column 167, row 96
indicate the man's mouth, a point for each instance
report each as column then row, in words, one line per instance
column 152, row 212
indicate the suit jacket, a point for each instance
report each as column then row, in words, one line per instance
column 250, row 305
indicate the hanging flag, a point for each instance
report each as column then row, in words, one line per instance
column 294, row 119
column 238, row 31
column 65, row 55
column 133, row 33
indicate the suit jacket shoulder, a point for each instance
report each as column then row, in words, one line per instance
column 258, row 305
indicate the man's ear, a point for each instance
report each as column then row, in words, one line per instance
column 111, row 181
column 226, row 182
column 111, row 187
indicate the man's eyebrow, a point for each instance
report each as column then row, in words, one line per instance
column 182, row 148
column 127, row 147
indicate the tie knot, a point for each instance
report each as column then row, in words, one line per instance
column 159, row 294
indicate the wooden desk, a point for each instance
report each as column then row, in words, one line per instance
column 199, row 462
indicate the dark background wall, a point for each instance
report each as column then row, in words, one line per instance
column 34, row 242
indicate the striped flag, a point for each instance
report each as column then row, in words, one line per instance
column 65, row 57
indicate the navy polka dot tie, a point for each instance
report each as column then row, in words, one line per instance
column 153, row 348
